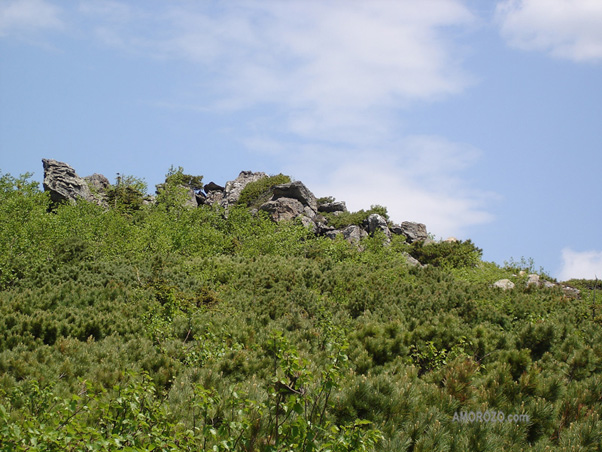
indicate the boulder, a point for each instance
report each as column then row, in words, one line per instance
column 504, row 284
column 412, row 260
column 396, row 229
column 533, row 280
column 451, row 240
column 233, row 188
column 377, row 222
column 214, row 197
column 414, row 231
column 212, row 186
column 332, row 207
column 63, row 184
column 354, row 233
column 98, row 183
column 296, row 190
column 283, row 209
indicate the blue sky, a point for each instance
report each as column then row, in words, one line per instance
column 482, row 120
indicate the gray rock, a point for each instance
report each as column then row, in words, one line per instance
column 548, row 284
column 504, row 284
column 412, row 260
column 571, row 291
column 234, row 187
column 97, row 182
column 283, row 209
column 296, row 190
column 354, row 233
column 396, row 229
column 377, row 222
column 533, row 280
column 63, row 184
column 414, row 231
column 214, row 197
column 308, row 223
column 333, row 207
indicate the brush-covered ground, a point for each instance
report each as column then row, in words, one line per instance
column 159, row 327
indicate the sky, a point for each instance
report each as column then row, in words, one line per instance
column 480, row 119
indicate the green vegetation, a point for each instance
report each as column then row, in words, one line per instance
column 343, row 219
column 256, row 193
column 186, row 329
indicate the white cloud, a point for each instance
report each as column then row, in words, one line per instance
column 570, row 29
column 418, row 178
column 580, row 264
column 26, row 16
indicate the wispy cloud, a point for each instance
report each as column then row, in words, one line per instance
column 563, row 28
column 580, row 264
column 27, row 16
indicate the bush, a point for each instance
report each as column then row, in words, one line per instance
column 447, row 254
column 256, row 193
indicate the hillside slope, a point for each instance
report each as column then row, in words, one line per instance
column 131, row 325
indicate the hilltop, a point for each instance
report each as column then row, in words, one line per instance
column 250, row 315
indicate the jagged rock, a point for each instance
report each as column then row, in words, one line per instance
column 296, row 190
column 308, row 223
column 63, row 184
column 504, row 284
column 98, row 182
column 533, row 280
column 333, row 207
column 396, row 229
column 414, row 231
column 354, row 233
column 212, row 186
column 200, row 198
column 214, row 197
column 234, row 187
column 377, row 222
column 283, row 209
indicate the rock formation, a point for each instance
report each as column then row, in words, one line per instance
column 233, row 188
column 63, row 184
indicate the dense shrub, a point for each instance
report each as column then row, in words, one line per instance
column 190, row 329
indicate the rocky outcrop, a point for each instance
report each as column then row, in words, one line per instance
column 212, row 186
column 296, row 190
column 234, row 187
column 376, row 222
column 354, row 233
column 63, row 184
column 98, row 183
column 333, row 207
column 284, row 209
column 413, row 232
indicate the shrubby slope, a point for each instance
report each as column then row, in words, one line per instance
column 163, row 327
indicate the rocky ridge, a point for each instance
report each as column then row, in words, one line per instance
column 288, row 202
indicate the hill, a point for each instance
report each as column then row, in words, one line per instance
column 254, row 317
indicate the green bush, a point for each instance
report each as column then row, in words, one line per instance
column 256, row 193
column 447, row 254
